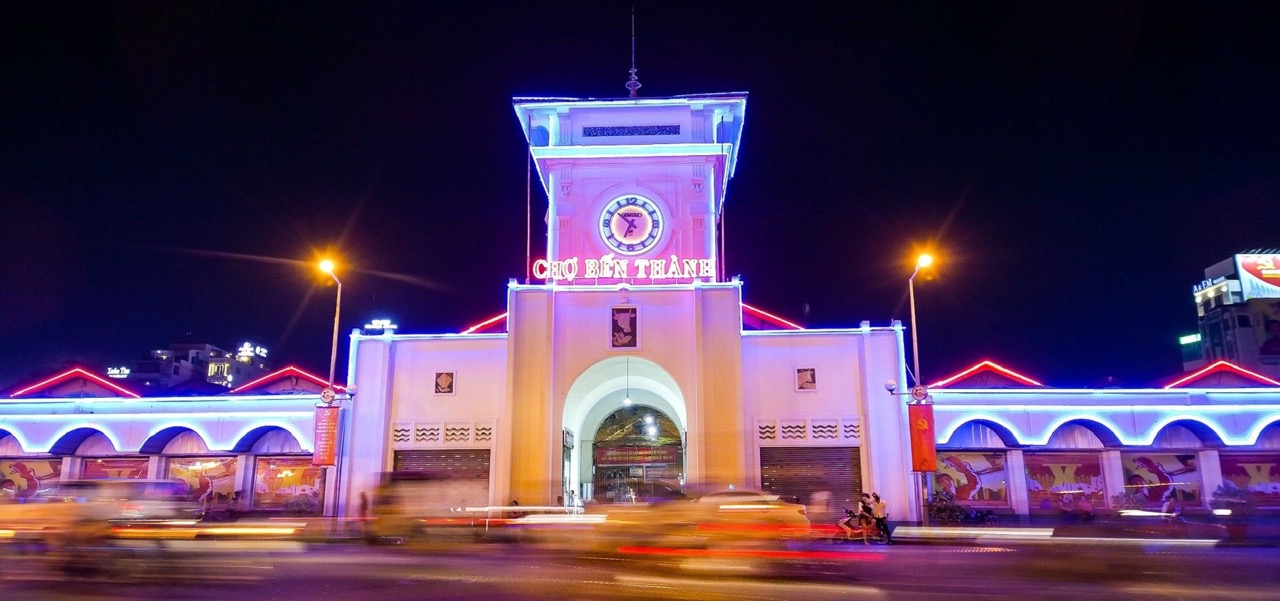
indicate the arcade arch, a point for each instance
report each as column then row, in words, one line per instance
column 603, row 390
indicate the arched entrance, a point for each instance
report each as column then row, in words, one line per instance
column 638, row 455
column 611, row 399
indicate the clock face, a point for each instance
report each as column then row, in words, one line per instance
column 631, row 224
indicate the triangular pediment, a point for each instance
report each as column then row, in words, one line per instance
column 289, row 380
column 986, row 374
column 74, row 383
column 1223, row 375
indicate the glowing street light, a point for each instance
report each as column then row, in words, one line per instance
column 922, row 262
column 327, row 266
column 920, row 415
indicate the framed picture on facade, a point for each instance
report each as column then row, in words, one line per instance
column 1150, row 478
column 624, row 327
column 806, row 379
column 445, row 382
column 976, row 479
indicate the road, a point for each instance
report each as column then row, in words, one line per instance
column 284, row 570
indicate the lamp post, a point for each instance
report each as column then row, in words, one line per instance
column 922, row 262
column 327, row 395
column 920, row 395
column 327, row 267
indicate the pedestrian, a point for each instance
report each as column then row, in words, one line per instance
column 1084, row 508
column 364, row 518
column 880, row 512
column 236, row 508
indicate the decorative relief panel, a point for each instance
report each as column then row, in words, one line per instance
column 426, row 432
column 766, row 429
column 793, row 429
column 816, row 432
column 824, row 429
column 457, row 432
column 401, row 432
column 630, row 130
column 851, row 429
column 484, row 432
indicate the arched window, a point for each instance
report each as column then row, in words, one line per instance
column 975, row 435
column 1174, row 436
column 1074, row 436
column 276, row 442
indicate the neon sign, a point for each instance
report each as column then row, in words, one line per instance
column 382, row 324
column 118, row 372
column 248, row 350
column 608, row 267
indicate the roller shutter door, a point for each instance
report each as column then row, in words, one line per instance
column 464, row 472
column 796, row 473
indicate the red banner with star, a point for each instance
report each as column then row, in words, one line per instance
column 924, row 453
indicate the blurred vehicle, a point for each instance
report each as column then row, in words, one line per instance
column 732, row 518
column 411, row 507
column 82, row 512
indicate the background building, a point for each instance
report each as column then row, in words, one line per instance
column 1238, row 305
column 188, row 365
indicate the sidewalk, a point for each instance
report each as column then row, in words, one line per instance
column 1198, row 530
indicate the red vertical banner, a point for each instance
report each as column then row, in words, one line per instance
column 326, row 449
column 924, row 454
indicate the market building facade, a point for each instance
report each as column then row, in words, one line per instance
column 632, row 369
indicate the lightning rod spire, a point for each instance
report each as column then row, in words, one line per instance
column 634, row 84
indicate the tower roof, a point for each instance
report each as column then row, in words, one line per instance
column 561, row 128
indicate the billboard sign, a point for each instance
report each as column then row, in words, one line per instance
column 1265, row 314
column 1259, row 275
column 635, row 455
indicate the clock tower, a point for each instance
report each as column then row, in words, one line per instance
column 636, row 186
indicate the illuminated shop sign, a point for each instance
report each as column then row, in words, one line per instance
column 385, row 325
column 1259, row 275
column 248, row 350
column 1207, row 284
column 118, row 372
column 608, row 267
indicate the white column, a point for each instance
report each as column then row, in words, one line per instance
column 1210, row 467
column 1015, row 473
column 1112, row 474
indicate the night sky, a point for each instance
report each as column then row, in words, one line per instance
column 168, row 170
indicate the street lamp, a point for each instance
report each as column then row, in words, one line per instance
column 920, row 417
column 327, row 266
column 922, row 262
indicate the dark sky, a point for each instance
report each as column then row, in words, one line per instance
column 1077, row 166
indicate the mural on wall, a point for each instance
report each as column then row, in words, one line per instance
column 290, row 484
column 976, row 479
column 211, row 480
column 105, row 468
column 1051, row 477
column 25, row 478
column 1257, row 474
column 1154, row 475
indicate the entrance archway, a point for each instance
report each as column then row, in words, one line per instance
column 638, row 456
column 601, row 391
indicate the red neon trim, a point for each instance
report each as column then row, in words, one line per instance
column 275, row 375
column 484, row 324
column 771, row 318
column 72, row 374
column 1222, row 366
column 987, row 366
